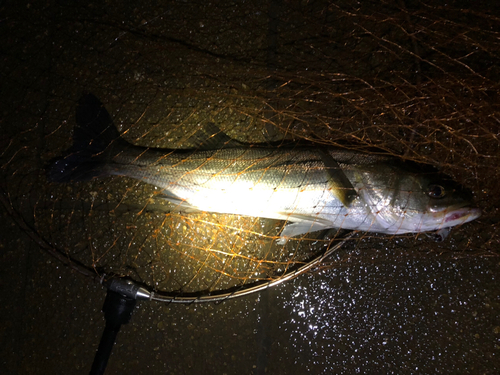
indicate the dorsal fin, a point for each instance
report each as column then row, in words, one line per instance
column 210, row 137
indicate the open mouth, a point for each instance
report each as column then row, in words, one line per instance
column 462, row 215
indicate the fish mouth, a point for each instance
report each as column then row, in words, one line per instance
column 461, row 214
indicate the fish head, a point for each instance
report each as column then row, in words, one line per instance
column 412, row 199
column 444, row 203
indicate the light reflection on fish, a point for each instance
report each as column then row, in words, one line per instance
column 312, row 188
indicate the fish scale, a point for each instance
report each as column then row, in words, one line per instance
column 312, row 188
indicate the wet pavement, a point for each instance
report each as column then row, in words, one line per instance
column 393, row 307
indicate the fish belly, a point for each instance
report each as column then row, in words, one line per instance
column 261, row 183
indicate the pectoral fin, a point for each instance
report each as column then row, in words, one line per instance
column 340, row 185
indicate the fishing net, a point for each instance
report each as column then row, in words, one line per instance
column 418, row 80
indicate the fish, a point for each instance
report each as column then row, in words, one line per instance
column 312, row 188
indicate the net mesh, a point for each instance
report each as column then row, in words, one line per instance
column 418, row 80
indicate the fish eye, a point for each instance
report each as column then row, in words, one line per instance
column 436, row 191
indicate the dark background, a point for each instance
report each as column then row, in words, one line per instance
column 420, row 79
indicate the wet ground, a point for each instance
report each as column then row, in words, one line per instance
column 396, row 307
column 396, row 314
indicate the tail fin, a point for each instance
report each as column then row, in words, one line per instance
column 92, row 137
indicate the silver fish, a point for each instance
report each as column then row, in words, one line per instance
column 312, row 188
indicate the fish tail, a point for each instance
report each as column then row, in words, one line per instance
column 93, row 138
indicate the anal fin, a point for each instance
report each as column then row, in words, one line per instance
column 180, row 204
